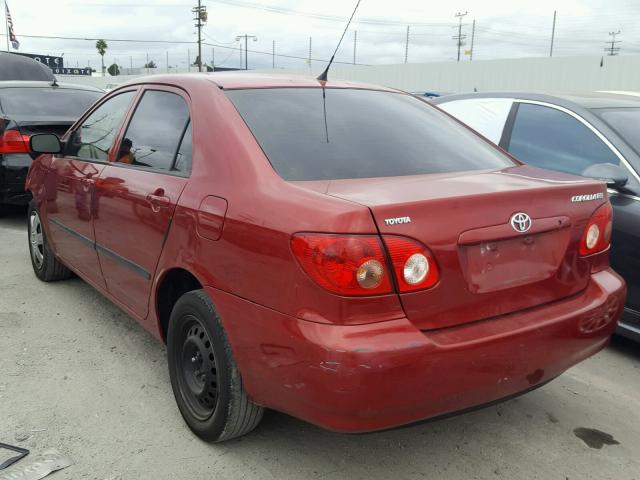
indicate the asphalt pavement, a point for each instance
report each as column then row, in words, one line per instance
column 79, row 375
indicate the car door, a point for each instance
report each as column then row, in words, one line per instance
column 70, row 185
column 137, row 193
column 550, row 137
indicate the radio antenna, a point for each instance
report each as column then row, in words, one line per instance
column 323, row 75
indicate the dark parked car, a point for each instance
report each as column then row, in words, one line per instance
column 344, row 253
column 28, row 107
column 595, row 135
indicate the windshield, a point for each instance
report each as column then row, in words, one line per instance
column 327, row 134
column 46, row 101
column 625, row 122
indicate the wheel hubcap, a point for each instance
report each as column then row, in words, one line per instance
column 36, row 241
column 197, row 369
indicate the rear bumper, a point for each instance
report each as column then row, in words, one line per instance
column 629, row 325
column 376, row 376
column 13, row 174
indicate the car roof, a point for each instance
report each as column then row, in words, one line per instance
column 43, row 84
column 251, row 80
column 587, row 100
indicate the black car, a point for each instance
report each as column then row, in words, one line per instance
column 28, row 107
column 595, row 135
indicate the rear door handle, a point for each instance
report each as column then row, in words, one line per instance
column 158, row 200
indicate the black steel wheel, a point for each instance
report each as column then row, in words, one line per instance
column 205, row 379
column 198, row 370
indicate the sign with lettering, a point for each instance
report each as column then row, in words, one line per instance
column 72, row 71
column 48, row 60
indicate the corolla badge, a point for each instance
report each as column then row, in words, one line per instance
column 521, row 222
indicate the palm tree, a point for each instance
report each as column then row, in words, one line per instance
column 102, row 46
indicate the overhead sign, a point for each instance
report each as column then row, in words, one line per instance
column 48, row 60
column 72, row 71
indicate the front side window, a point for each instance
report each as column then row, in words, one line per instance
column 93, row 139
column 549, row 138
column 333, row 133
column 155, row 131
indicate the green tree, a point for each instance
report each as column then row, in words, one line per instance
column 114, row 70
column 151, row 64
column 102, row 46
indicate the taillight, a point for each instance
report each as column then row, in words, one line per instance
column 352, row 265
column 597, row 233
column 413, row 264
column 12, row 141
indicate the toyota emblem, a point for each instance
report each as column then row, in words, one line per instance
column 521, row 222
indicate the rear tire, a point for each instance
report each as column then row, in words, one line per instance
column 205, row 379
column 45, row 264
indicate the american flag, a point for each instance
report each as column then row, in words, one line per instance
column 12, row 36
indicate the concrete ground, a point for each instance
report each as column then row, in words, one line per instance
column 78, row 375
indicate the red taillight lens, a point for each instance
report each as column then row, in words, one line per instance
column 12, row 141
column 597, row 233
column 413, row 264
column 351, row 265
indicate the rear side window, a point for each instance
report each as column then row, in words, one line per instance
column 548, row 138
column 155, row 131
column 325, row 134
column 625, row 122
column 93, row 139
column 47, row 102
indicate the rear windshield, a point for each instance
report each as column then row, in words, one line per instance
column 46, row 102
column 328, row 134
column 625, row 121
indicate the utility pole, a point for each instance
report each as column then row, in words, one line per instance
column 355, row 43
column 189, row 60
column 200, row 18
column 553, row 32
column 309, row 61
column 273, row 54
column 131, row 63
column 473, row 40
column 213, row 59
column 147, row 64
column 460, row 38
column 246, row 49
column 613, row 50
column 406, row 46
column 167, row 61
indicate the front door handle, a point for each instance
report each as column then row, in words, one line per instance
column 158, row 200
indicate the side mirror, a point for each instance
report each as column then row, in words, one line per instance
column 613, row 175
column 45, row 143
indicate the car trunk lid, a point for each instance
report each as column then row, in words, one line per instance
column 487, row 267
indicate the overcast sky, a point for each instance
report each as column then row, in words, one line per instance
column 504, row 29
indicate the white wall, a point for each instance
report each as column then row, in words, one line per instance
column 545, row 74
column 541, row 74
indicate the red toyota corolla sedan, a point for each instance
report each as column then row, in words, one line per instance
column 347, row 254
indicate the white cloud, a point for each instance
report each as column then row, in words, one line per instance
column 504, row 29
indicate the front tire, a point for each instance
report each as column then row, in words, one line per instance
column 45, row 264
column 205, row 379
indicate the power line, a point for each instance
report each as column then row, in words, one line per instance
column 180, row 42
